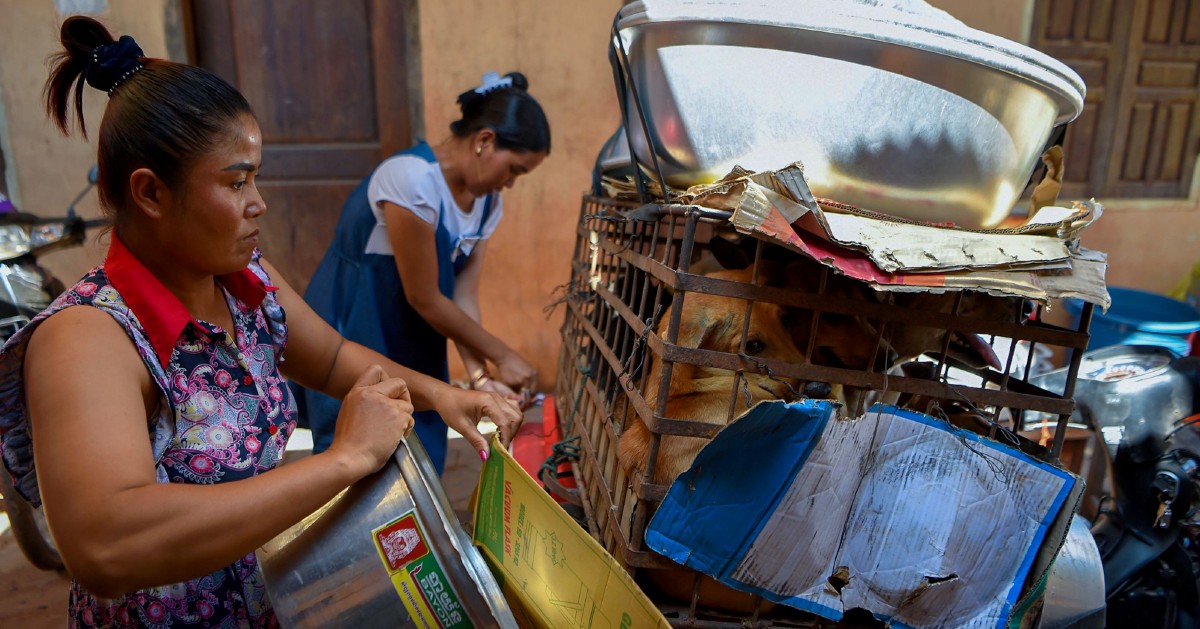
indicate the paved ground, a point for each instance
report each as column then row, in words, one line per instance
column 35, row 599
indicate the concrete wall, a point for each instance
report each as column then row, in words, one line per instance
column 45, row 169
column 561, row 47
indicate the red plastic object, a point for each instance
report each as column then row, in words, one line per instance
column 528, row 447
column 553, row 434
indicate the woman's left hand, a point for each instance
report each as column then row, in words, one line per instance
column 523, row 399
column 463, row 409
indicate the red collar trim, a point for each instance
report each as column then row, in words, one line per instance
column 160, row 312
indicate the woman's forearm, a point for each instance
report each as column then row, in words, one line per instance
column 452, row 322
column 468, row 302
column 158, row 534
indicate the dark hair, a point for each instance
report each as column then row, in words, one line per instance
column 514, row 115
column 160, row 115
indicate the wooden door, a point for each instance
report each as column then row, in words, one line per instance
column 329, row 81
column 1139, row 134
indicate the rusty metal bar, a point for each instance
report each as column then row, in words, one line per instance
column 1036, row 399
column 1060, row 430
column 684, row 282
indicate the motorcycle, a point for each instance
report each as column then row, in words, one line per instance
column 25, row 290
column 1139, row 563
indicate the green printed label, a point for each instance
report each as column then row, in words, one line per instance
column 417, row 576
column 491, row 527
column 435, row 587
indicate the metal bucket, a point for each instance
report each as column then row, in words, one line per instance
column 335, row 568
column 905, row 112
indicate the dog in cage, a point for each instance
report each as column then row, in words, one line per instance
column 707, row 394
column 859, row 343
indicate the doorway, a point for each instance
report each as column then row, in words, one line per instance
column 336, row 88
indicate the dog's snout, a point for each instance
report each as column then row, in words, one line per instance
column 818, row 390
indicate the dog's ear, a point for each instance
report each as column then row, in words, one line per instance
column 715, row 327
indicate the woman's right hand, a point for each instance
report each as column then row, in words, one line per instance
column 515, row 372
column 375, row 415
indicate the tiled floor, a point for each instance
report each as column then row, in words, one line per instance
column 35, row 599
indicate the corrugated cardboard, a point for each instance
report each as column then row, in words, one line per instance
column 1039, row 259
column 553, row 573
column 899, row 513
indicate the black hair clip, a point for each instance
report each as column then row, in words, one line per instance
column 113, row 63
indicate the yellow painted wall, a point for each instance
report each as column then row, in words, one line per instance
column 1008, row 19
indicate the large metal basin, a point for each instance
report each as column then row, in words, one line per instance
column 327, row 572
column 904, row 111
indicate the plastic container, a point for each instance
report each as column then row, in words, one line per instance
column 1140, row 318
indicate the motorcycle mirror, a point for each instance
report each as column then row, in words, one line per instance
column 93, row 177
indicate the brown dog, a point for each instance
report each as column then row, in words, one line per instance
column 700, row 393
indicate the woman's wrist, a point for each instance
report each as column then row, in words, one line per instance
column 478, row 377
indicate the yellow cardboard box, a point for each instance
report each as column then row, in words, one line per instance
column 553, row 573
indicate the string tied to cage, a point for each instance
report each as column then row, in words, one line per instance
column 564, row 451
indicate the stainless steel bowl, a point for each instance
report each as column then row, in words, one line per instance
column 902, row 110
column 327, row 572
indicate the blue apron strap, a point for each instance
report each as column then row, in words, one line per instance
column 487, row 212
column 420, row 149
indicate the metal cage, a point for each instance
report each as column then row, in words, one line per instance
column 631, row 272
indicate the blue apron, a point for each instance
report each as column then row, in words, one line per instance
column 361, row 296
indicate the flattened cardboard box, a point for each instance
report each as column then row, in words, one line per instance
column 899, row 513
column 551, row 570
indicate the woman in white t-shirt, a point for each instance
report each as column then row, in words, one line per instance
column 402, row 273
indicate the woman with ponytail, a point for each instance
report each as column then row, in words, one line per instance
column 146, row 407
column 402, row 274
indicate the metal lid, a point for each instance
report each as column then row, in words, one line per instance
column 911, row 23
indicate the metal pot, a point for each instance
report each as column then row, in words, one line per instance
column 330, row 571
column 892, row 106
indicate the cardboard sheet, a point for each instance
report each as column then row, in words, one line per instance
column 553, row 573
column 1039, row 259
column 896, row 512
column 1083, row 279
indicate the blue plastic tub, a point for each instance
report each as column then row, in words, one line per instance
column 1140, row 318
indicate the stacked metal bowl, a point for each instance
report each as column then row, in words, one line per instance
column 891, row 105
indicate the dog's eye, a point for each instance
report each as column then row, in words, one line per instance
column 755, row 347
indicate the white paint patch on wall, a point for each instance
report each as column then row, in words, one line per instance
column 76, row 7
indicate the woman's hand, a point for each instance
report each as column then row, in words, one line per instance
column 491, row 385
column 463, row 409
column 513, row 371
column 375, row 415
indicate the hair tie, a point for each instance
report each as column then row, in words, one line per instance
column 112, row 63
column 493, row 82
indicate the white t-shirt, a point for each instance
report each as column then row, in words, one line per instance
column 417, row 185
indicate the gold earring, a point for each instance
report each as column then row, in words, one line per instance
column 479, row 150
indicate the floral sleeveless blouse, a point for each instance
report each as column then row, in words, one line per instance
column 225, row 414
